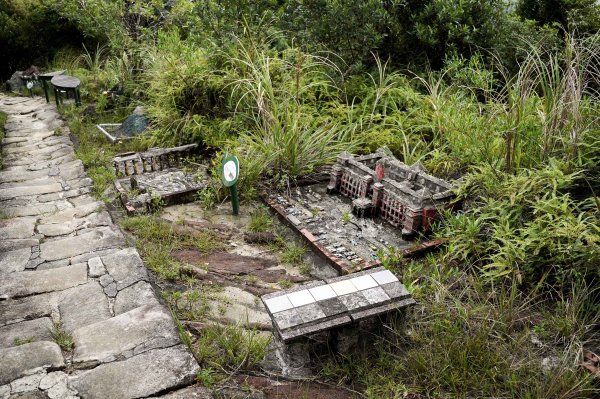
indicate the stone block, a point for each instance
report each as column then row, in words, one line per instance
column 125, row 267
column 83, row 305
column 20, row 284
column 29, row 308
column 34, row 330
column 127, row 334
column 140, row 376
column 21, row 360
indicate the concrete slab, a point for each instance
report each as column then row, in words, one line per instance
column 139, row 376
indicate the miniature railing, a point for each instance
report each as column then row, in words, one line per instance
column 392, row 210
column 153, row 160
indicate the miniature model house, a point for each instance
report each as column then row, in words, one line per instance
column 379, row 184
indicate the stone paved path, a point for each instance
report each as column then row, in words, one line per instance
column 62, row 260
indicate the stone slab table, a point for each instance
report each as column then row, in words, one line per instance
column 47, row 77
column 67, row 84
column 324, row 305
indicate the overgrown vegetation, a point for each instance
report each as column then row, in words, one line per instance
column 230, row 348
column 157, row 239
column 502, row 97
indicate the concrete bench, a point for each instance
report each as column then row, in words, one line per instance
column 326, row 305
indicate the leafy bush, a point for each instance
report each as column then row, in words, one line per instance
column 186, row 94
column 525, row 226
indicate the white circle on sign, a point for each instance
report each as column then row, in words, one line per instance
column 229, row 171
column 29, row 85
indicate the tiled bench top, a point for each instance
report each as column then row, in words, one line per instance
column 323, row 305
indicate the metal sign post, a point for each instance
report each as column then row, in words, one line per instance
column 230, row 172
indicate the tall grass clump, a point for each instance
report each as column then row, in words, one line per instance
column 185, row 91
column 276, row 98
column 559, row 89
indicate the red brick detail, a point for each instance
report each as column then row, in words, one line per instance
column 308, row 235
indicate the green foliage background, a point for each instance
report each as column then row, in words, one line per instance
column 501, row 97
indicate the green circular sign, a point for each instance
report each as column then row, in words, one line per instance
column 230, row 170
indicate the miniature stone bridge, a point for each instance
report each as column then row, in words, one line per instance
column 78, row 317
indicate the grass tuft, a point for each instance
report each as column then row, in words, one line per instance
column 62, row 337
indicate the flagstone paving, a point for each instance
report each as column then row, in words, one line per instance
column 63, row 262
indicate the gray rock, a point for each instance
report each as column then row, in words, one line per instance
column 138, row 330
column 89, row 255
column 17, row 228
column 25, row 309
column 106, row 280
column 139, row 376
column 11, row 245
column 83, row 305
column 53, row 230
column 55, row 385
column 111, row 290
column 125, row 267
column 52, row 379
column 20, row 284
column 14, row 261
column 96, row 267
column 19, row 175
column 30, row 210
column 15, row 83
column 101, row 238
column 52, row 265
column 26, row 384
column 21, row 360
column 36, row 330
column 549, row 364
column 135, row 296
column 27, row 191
column 67, row 216
column 31, row 395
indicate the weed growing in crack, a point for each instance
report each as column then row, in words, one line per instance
column 17, row 341
column 62, row 337
column 293, row 254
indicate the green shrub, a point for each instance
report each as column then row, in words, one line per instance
column 525, row 226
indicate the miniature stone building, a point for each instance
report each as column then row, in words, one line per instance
column 379, row 184
column 156, row 174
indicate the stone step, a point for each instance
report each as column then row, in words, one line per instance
column 139, row 376
column 29, row 308
column 15, row 192
column 98, row 239
column 14, row 261
column 125, row 267
column 139, row 330
column 21, row 360
column 29, row 330
column 83, row 305
column 22, row 284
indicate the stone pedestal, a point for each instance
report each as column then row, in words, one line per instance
column 413, row 220
column 377, row 197
column 335, row 178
